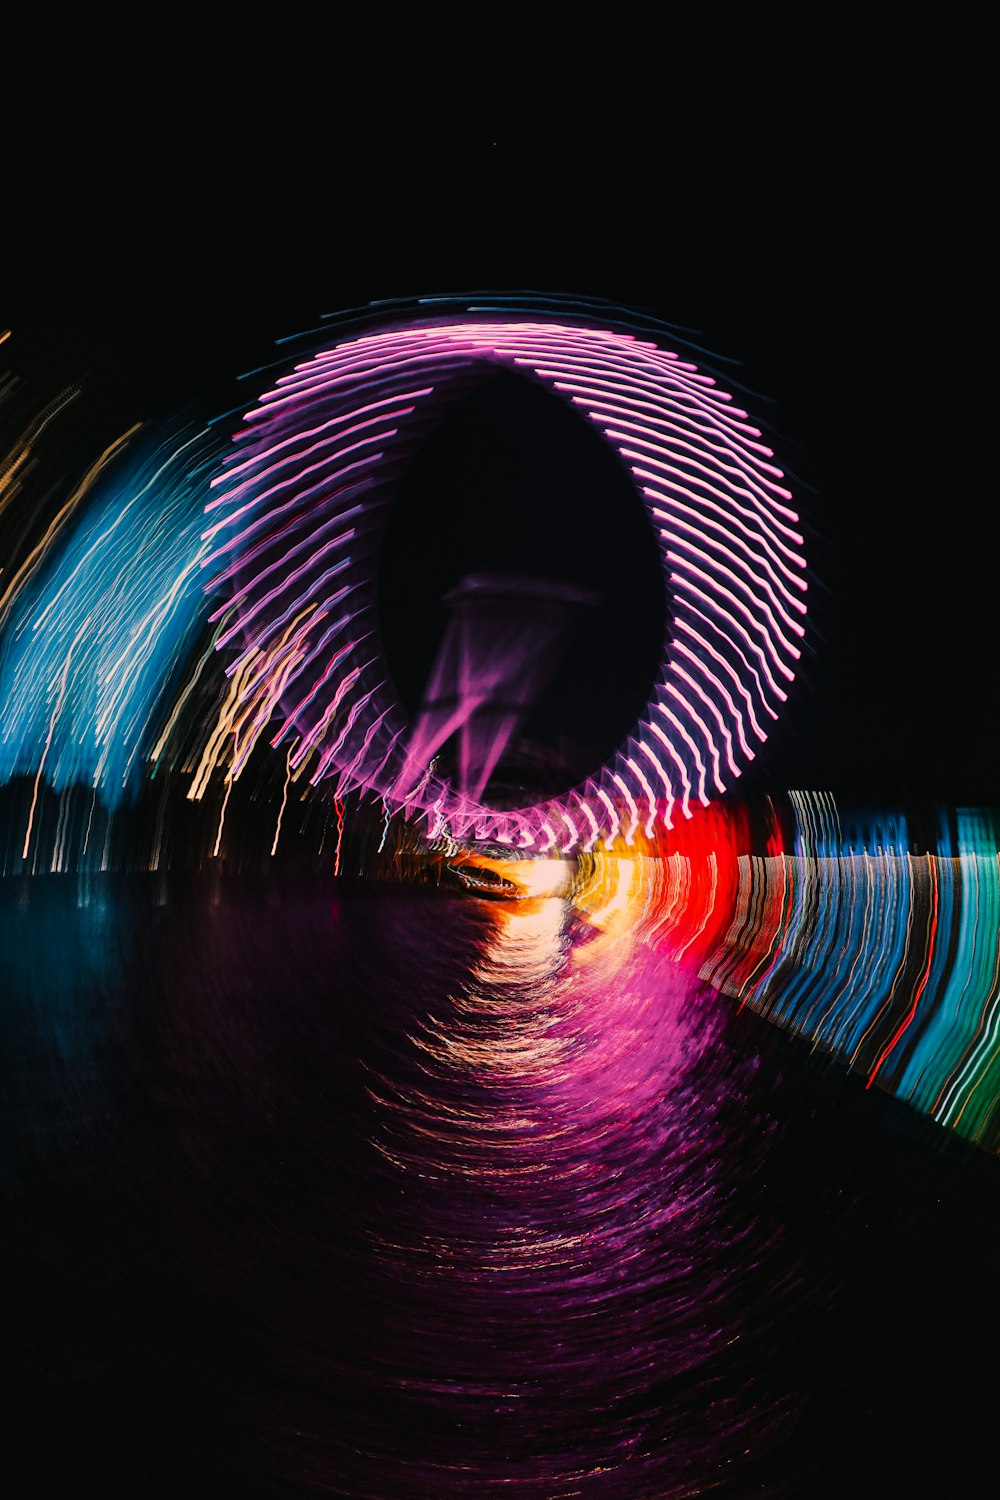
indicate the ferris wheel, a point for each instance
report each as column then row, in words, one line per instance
column 298, row 511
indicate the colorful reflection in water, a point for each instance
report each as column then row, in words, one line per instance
column 559, row 1148
column 414, row 1194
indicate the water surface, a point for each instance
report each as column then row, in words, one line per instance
column 403, row 1194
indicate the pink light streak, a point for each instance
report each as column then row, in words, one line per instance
column 305, row 483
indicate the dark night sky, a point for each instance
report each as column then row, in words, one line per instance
column 173, row 214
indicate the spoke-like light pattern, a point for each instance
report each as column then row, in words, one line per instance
column 297, row 512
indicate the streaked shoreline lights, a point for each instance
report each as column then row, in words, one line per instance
column 99, row 630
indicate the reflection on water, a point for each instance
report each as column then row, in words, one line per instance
column 560, row 1112
column 421, row 1195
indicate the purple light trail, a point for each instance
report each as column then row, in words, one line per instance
column 297, row 516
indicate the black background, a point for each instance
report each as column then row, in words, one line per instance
column 176, row 201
